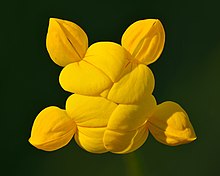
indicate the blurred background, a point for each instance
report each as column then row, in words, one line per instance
column 187, row 72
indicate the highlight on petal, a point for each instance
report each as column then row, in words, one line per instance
column 83, row 78
column 91, row 139
column 52, row 129
column 145, row 40
column 170, row 125
column 66, row 42
column 137, row 81
column 109, row 57
column 128, row 117
column 89, row 111
column 122, row 142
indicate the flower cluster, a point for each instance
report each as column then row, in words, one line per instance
column 112, row 107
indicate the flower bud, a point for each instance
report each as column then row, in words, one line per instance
column 170, row 125
column 144, row 40
column 52, row 129
column 66, row 42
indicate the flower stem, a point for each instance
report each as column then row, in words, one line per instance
column 132, row 165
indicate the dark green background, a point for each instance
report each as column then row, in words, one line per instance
column 187, row 72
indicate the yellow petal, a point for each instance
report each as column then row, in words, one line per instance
column 83, row 78
column 89, row 111
column 125, row 142
column 138, row 140
column 170, row 125
column 137, row 81
column 132, row 116
column 91, row 139
column 52, row 129
column 66, row 42
column 109, row 57
column 144, row 39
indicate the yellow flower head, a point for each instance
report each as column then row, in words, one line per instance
column 112, row 108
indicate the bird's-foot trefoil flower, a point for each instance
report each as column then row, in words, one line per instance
column 112, row 108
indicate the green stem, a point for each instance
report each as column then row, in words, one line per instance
column 133, row 165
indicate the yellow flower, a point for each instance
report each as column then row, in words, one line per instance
column 112, row 108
